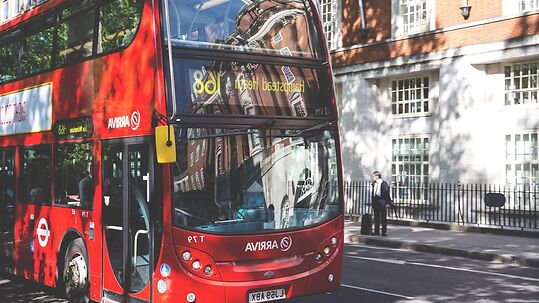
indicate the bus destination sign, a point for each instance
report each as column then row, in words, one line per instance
column 78, row 128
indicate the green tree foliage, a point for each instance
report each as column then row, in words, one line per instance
column 118, row 23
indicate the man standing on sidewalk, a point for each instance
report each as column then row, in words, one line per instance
column 381, row 201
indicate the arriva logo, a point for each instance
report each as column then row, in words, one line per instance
column 125, row 121
column 284, row 245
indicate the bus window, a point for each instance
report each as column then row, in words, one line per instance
column 35, row 180
column 118, row 23
column 247, row 26
column 37, row 55
column 9, row 56
column 75, row 32
column 73, row 175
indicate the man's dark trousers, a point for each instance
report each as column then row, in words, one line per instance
column 380, row 214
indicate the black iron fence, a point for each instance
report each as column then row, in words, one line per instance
column 451, row 203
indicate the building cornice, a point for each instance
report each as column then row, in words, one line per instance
column 522, row 48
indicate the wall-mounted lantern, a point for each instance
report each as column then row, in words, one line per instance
column 465, row 9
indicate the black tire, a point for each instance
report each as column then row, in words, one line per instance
column 78, row 291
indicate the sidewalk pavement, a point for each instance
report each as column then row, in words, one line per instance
column 481, row 246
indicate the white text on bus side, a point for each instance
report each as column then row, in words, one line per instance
column 263, row 245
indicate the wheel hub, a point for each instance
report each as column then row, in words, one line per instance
column 77, row 273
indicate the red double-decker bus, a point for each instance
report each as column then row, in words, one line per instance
column 170, row 151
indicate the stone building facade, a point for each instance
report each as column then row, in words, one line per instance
column 429, row 94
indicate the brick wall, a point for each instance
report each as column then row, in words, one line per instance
column 448, row 11
column 377, row 17
column 380, row 47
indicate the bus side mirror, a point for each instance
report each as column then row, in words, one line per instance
column 165, row 144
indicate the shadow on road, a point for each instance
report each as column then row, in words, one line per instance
column 16, row 290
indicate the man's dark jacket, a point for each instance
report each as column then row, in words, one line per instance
column 385, row 192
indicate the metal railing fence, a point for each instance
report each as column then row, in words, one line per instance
column 451, row 203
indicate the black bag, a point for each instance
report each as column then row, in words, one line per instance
column 366, row 224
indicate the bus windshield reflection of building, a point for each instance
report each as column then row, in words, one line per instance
column 280, row 183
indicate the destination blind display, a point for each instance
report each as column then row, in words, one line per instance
column 78, row 128
column 237, row 88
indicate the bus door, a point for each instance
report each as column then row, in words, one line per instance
column 128, row 170
column 7, row 206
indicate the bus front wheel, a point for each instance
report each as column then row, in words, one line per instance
column 75, row 273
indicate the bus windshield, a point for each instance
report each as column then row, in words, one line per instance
column 244, row 25
column 247, row 181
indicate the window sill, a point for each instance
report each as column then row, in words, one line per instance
column 408, row 116
column 526, row 106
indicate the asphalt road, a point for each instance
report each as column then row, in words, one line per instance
column 375, row 274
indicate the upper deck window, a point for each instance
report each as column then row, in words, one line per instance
column 78, row 31
column 244, row 25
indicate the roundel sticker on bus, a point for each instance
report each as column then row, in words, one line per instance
column 286, row 243
column 43, row 233
column 135, row 120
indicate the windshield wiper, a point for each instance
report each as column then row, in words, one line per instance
column 302, row 132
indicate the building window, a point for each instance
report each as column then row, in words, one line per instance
column 527, row 5
column 410, row 96
column 410, row 161
column 414, row 16
column 521, row 83
column 410, row 168
column 522, row 161
column 4, row 11
column 328, row 10
column 522, row 169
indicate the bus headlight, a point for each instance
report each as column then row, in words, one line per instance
column 186, row 256
column 198, row 263
column 327, row 250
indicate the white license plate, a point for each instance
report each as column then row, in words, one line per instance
column 267, row 295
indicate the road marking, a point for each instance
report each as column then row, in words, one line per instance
column 402, row 262
column 385, row 248
column 377, row 291
column 392, row 261
column 474, row 271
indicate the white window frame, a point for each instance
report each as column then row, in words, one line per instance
column 16, row 7
column 397, row 20
column 521, row 151
column 330, row 14
column 513, row 7
column 4, row 15
column 404, row 98
column 402, row 157
column 521, row 83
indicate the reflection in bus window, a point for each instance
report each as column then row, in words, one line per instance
column 246, row 26
column 7, row 189
column 247, row 89
column 118, row 22
column 37, row 55
column 75, row 33
column 9, row 56
column 35, row 180
column 286, row 182
column 73, row 172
